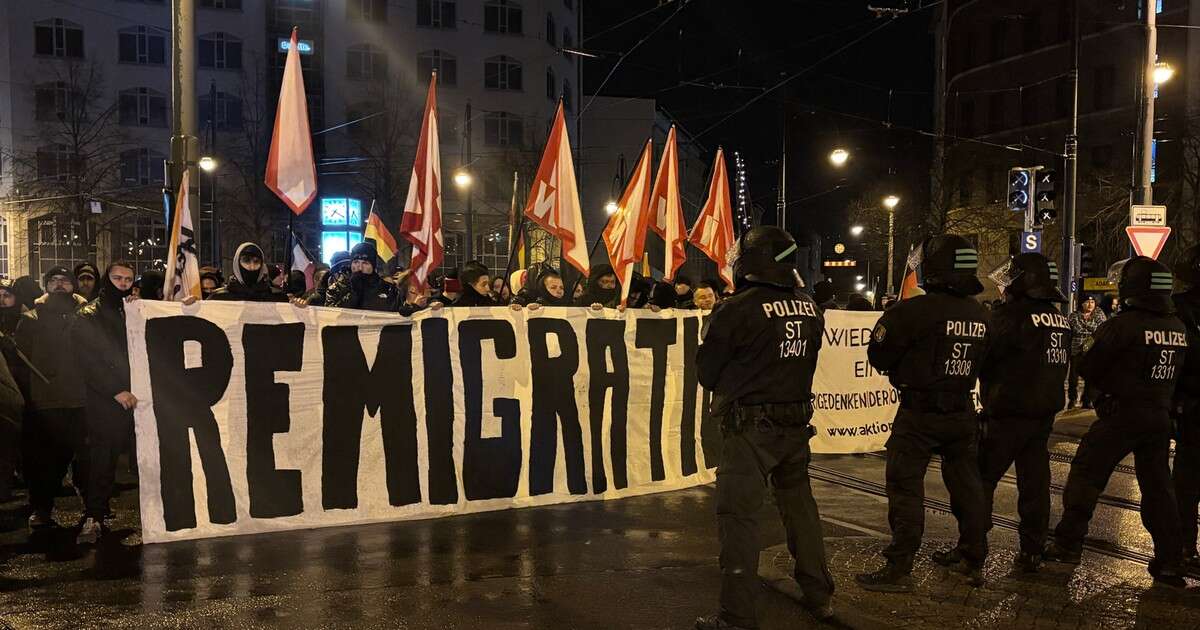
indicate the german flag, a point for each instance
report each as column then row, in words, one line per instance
column 385, row 243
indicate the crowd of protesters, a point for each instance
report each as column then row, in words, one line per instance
column 65, row 402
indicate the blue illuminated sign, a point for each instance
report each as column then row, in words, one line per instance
column 305, row 45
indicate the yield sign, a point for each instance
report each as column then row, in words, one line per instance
column 1148, row 241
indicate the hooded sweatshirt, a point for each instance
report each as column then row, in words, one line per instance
column 246, row 285
column 595, row 295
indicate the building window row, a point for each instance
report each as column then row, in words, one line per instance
column 142, row 45
column 502, row 73
column 141, row 167
column 502, row 16
column 142, row 107
column 58, row 38
column 220, row 51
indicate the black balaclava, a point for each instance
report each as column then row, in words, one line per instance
column 596, row 295
column 110, row 295
column 245, row 276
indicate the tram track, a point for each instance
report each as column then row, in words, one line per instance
column 829, row 475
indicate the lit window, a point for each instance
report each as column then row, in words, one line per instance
column 58, row 38
column 142, row 44
column 440, row 61
column 502, row 16
column 502, row 73
column 220, row 51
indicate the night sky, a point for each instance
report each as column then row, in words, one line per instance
column 704, row 60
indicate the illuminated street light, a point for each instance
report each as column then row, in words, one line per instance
column 860, row 286
column 462, row 179
column 207, row 164
column 858, row 278
column 838, row 157
column 1163, row 72
column 856, row 230
column 611, row 207
column 891, row 201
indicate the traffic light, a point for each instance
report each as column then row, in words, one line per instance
column 1045, row 189
column 1020, row 187
column 1046, row 215
column 1086, row 263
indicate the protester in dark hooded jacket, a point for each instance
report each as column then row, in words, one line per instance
column 10, row 413
column 476, row 286
column 859, row 303
column 209, row 283
column 149, row 286
column 54, row 433
column 663, row 295
column 249, row 282
column 340, row 267
column 10, row 308
column 683, row 292
column 602, row 288
column 363, row 288
column 297, row 284
column 27, row 290
column 99, row 339
column 548, row 290
column 85, row 280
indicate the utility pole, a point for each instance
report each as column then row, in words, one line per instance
column 1148, row 88
column 1070, row 166
column 183, row 101
column 782, row 203
column 469, row 250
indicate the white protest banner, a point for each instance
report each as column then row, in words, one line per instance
column 853, row 404
column 266, row 417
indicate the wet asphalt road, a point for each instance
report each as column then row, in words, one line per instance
column 646, row 562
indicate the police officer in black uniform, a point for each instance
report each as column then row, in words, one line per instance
column 1186, row 474
column 1134, row 362
column 1021, row 386
column 932, row 348
column 758, row 356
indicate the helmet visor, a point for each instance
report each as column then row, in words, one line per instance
column 1005, row 275
column 1115, row 271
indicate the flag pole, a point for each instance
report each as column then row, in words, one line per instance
column 518, row 236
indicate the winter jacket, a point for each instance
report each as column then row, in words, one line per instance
column 99, row 338
column 364, row 291
column 1083, row 329
column 44, row 336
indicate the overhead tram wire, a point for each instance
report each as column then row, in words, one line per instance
column 795, row 75
column 682, row 4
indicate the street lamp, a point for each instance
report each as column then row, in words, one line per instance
column 856, row 230
column 462, row 179
column 611, row 207
column 890, row 202
column 207, row 164
column 1163, row 72
column 860, row 286
column 838, row 157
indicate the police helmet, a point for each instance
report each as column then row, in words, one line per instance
column 1030, row 275
column 761, row 255
column 947, row 261
column 1188, row 269
column 1143, row 283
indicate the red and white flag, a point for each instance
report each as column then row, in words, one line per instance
column 182, row 277
column 668, row 211
column 625, row 234
column 291, row 171
column 713, row 232
column 554, row 198
column 303, row 262
column 421, row 223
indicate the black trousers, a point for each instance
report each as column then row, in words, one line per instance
column 1073, row 378
column 108, row 437
column 51, row 440
column 10, row 438
column 1020, row 441
column 1120, row 430
column 916, row 436
column 750, row 461
column 1186, row 474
